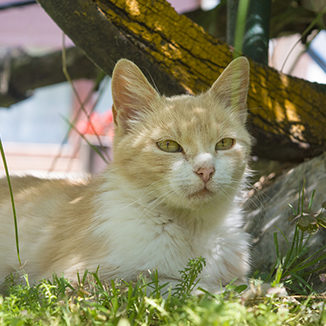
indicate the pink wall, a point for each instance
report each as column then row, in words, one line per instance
column 31, row 26
column 28, row 25
column 185, row 5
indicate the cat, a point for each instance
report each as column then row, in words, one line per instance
column 169, row 195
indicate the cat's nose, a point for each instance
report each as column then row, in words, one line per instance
column 205, row 173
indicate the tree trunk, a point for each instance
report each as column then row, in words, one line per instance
column 287, row 115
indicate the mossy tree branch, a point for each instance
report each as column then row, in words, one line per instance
column 287, row 115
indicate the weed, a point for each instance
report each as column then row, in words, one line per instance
column 189, row 277
column 295, row 268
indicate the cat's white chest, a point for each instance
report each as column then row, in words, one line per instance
column 137, row 242
column 137, row 237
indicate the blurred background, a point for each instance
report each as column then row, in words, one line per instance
column 47, row 124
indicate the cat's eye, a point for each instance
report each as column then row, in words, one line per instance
column 169, row 146
column 224, row 144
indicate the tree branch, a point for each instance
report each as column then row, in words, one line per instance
column 21, row 73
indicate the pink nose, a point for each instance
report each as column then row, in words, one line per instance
column 205, row 173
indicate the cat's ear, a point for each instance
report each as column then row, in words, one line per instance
column 231, row 87
column 132, row 93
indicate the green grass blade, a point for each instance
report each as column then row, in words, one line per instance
column 11, row 198
column 303, row 282
column 301, row 211
column 98, row 281
column 311, row 199
column 240, row 27
column 312, row 261
column 98, row 152
column 277, row 249
column 292, row 253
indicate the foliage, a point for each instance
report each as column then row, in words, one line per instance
column 91, row 302
column 295, row 268
column 189, row 277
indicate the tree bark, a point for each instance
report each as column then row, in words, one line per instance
column 287, row 115
column 21, row 73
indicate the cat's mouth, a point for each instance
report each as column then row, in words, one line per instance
column 203, row 193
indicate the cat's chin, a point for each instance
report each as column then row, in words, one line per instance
column 190, row 200
column 203, row 194
column 200, row 197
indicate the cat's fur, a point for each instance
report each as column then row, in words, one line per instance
column 149, row 210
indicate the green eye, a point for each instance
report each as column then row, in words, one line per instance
column 169, row 146
column 225, row 143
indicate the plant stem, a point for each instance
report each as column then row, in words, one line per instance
column 12, row 199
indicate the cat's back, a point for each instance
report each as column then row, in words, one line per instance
column 18, row 184
column 32, row 194
column 28, row 186
column 48, row 212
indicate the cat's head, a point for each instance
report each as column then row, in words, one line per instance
column 181, row 151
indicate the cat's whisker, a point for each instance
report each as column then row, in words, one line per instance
column 157, row 200
column 160, row 199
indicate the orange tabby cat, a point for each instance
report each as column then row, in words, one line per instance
column 168, row 196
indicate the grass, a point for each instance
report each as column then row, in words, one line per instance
column 92, row 302
column 295, row 267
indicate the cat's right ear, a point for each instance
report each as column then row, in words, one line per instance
column 231, row 88
column 132, row 93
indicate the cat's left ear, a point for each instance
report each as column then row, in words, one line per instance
column 132, row 93
column 231, row 88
